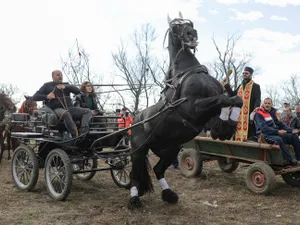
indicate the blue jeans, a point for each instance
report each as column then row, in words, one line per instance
column 288, row 138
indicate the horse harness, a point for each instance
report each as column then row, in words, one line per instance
column 175, row 84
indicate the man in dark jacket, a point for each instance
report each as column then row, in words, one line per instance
column 56, row 95
column 250, row 92
column 276, row 131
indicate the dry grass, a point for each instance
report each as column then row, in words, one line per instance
column 214, row 198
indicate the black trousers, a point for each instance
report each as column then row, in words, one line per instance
column 73, row 114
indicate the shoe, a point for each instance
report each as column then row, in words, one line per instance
column 295, row 162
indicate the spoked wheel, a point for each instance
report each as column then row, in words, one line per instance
column 190, row 163
column 58, row 174
column 86, row 165
column 228, row 165
column 120, row 171
column 24, row 168
column 260, row 178
column 292, row 179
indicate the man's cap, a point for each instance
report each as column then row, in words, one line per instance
column 249, row 69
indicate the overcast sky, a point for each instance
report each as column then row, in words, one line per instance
column 36, row 33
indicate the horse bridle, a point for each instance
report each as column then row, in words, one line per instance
column 180, row 36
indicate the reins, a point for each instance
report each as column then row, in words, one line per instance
column 169, row 107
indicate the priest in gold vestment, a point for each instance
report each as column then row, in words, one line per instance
column 250, row 92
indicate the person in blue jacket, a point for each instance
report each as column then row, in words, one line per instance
column 276, row 131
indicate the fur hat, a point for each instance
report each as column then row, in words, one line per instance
column 249, row 69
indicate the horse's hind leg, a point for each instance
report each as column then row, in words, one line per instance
column 167, row 157
column 140, row 180
column 1, row 145
column 8, row 141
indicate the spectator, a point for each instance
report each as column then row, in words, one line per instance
column 276, row 131
column 297, row 111
column 285, row 105
column 290, row 119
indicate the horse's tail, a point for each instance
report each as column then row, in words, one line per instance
column 145, row 185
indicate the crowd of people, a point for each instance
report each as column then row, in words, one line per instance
column 256, row 120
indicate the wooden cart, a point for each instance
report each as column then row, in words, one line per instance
column 264, row 161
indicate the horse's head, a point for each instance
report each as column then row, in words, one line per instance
column 6, row 103
column 182, row 32
column 28, row 106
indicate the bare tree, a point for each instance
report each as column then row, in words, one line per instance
column 273, row 92
column 141, row 71
column 11, row 91
column 77, row 69
column 291, row 91
column 230, row 59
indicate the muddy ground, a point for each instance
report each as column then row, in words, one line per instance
column 214, row 198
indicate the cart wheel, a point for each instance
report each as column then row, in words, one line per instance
column 260, row 178
column 228, row 165
column 58, row 174
column 292, row 179
column 24, row 168
column 86, row 165
column 190, row 163
column 121, row 174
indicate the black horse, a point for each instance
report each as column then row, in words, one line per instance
column 191, row 100
column 6, row 104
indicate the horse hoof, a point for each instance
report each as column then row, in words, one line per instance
column 135, row 203
column 169, row 196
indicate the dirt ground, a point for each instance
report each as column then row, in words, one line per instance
column 214, row 198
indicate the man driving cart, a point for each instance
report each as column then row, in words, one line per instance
column 56, row 95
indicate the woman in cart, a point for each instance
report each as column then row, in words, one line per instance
column 87, row 99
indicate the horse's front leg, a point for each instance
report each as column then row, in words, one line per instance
column 167, row 157
column 223, row 113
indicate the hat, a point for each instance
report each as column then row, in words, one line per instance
column 124, row 109
column 248, row 69
column 118, row 110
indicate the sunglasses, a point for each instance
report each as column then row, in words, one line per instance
column 246, row 73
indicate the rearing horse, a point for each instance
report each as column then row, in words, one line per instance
column 190, row 100
column 6, row 104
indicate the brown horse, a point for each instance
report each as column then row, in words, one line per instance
column 28, row 106
column 6, row 105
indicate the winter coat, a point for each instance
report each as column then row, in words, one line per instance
column 268, row 123
column 60, row 94
column 81, row 100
